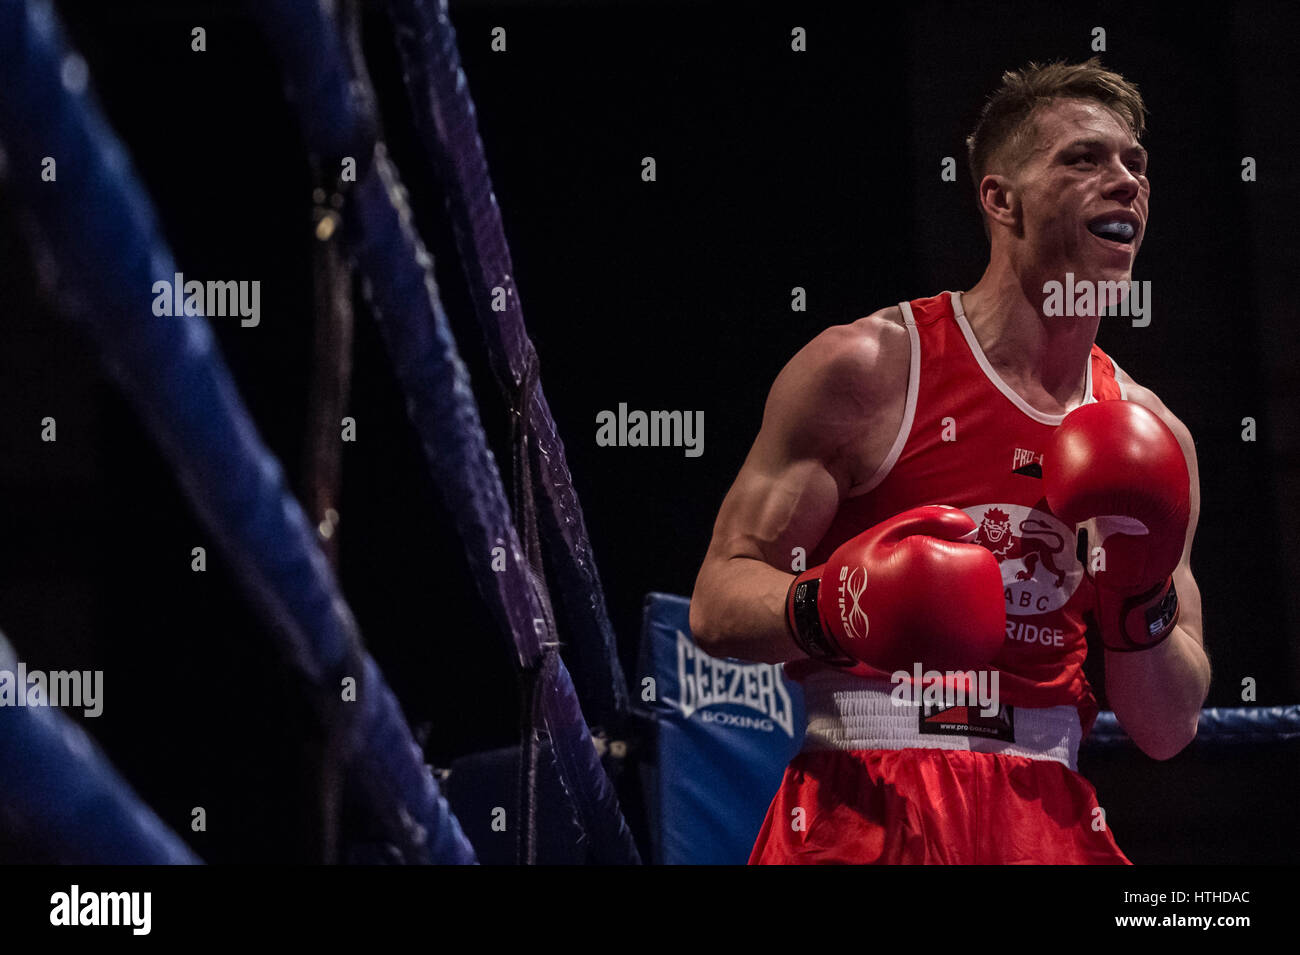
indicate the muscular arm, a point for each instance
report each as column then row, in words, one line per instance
column 1157, row 694
column 831, row 415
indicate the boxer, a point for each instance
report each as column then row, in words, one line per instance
column 970, row 477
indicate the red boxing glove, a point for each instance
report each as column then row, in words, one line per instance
column 1118, row 466
column 909, row 590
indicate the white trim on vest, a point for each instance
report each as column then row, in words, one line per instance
column 1123, row 390
column 1002, row 386
column 909, row 408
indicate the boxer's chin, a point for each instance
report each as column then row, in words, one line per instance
column 1113, row 292
column 1110, row 289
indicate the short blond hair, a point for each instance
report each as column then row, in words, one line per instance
column 1006, row 125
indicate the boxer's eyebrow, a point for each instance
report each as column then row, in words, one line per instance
column 1134, row 150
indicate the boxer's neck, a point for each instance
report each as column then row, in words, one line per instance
column 1045, row 359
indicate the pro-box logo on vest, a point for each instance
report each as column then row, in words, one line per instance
column 1035, row 551
column 706, row 681
column 1028, row 463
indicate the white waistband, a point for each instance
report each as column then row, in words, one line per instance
column 850, row 712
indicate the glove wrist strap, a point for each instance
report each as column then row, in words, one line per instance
column 804, row 622
column 1140, row 622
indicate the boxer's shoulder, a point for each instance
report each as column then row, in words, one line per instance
column 863, row 360
column 843, row 393
column 1148, row 399
column 1138, row 394
column 860, row 375
column 854, row 363
column 886, row 331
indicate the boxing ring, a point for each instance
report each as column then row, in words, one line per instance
column 103, row 251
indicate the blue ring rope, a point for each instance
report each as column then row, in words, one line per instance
column 1218, row 726
column 399, row 285
column 97, row 227
column 398, row 282
column 65, row 803
column 447, row 127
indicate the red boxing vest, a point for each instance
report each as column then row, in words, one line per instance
column 969, row 441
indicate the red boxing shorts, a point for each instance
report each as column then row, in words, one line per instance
column 877, row 784
column 918, row 806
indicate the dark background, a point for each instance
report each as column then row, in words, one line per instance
column 775, row 170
